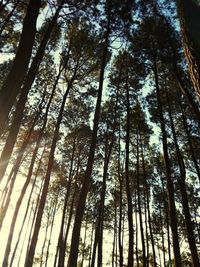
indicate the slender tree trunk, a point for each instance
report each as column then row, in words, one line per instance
column 196, row 165
column 70, row 213
column 61, row 244
column 148, row 204
column 27, row 208
column 95, row 244
column 181, row 181
column 114, row 244
column 139, row 203
column 162, row 238
column 46, row 233
column 32, row 247
column 108, row 151
column 165, row 211
column 146, row 230
column 72, row 261
column 15, row 169
column 51, row 231
column 170, row 186
column 91, row 241
column 136, row 232
column 120, row 201
column 12, row 84
column 34, row 215
column 17, row 207
column 23, row 241
column 128, row 188
column 84, row 241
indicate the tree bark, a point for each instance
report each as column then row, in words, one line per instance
column 191, row 53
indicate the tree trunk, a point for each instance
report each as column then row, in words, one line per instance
column 84, row 242
column 144, row 261
column 70, row 213
column 13, row 174
column 12, row 84
column 91, row 241
column 45, row 235
column 18, row 205
column 32, row 247
column 194, row 107
column 128, row 188
column 136, row 232
column 170, row 186
column 120, row 202
column 191, row 52
column 23, row 242
column 181, row 182
column 148, row 205
column 196, row 165
column 27, row 207
column 72, row 261
column 51, row 230
column 61, row 244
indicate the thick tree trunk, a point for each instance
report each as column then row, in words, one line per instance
column 12, row 84
column 186, row 9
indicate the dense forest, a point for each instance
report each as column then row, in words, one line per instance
column 99, row 133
